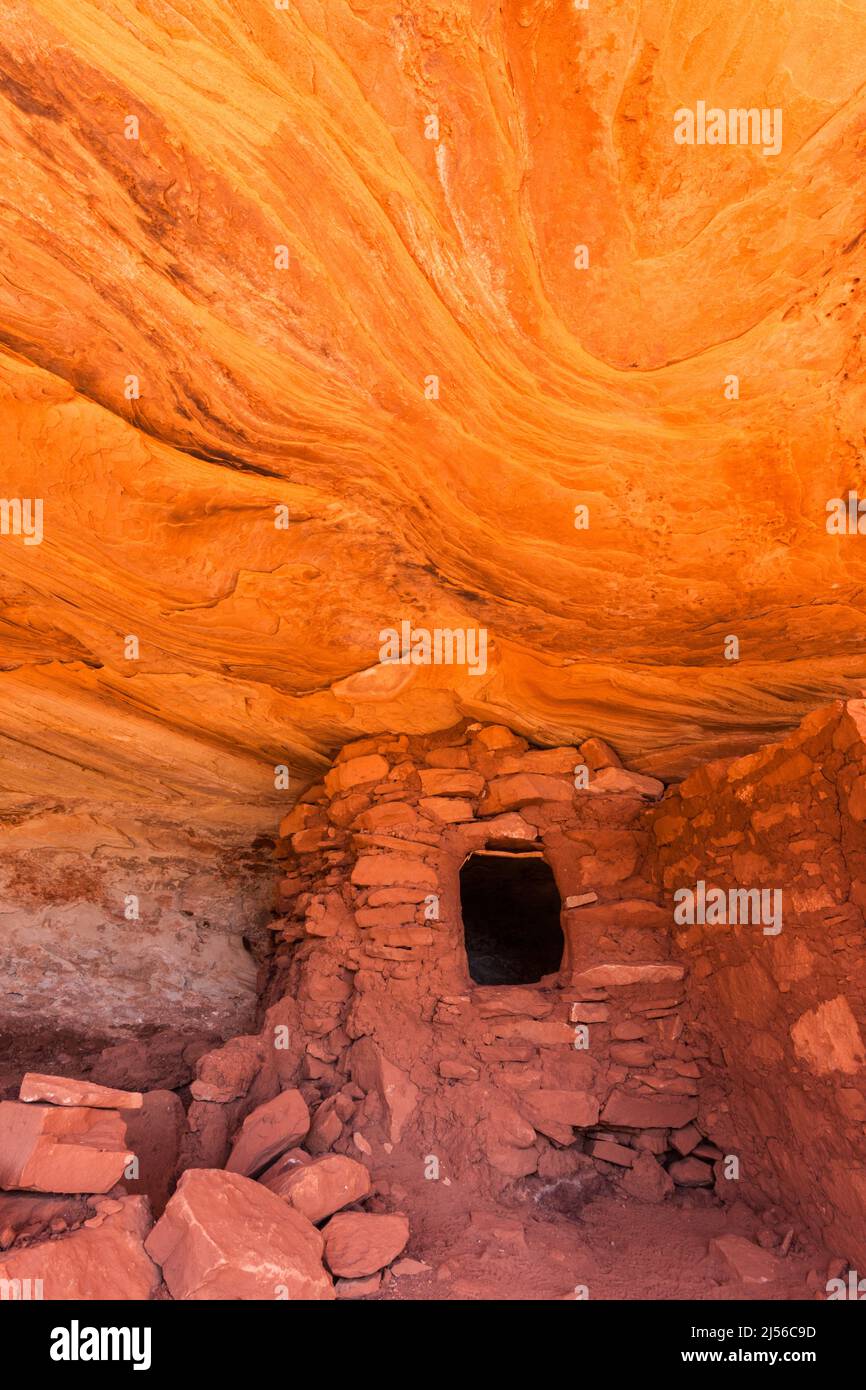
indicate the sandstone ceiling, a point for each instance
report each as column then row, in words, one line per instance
column 409, row 257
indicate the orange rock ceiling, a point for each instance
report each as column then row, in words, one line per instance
column 305, row 127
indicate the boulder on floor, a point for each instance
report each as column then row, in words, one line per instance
column 104, row 1260
column 646, row 1180
column 747, row 1261
column 360, row 1243
column 319, row 1188
column 225, row 1237
column 277, row 1125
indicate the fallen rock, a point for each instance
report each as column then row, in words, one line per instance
column 410, row 1269
column 48, row 1148
column 510, row 1159
column 60, row 1090
column 746, row 1260
column 102, row 1262
column 358, row 1288
column 207, row 1141
column 165, row 1061
column 326, row 1127
column 286, row 1164
column 691, row 1172
column 360, row 1243
column 497, row 736
column 320, row 1188
column 508, row 1139
column 495, row 1230
column 225, row 1237
column 647, row 1180
column 277, row 1125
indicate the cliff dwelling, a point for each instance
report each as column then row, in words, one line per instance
column 432, row 718
column 475, row 988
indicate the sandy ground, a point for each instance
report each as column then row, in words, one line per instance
column 613, row 1247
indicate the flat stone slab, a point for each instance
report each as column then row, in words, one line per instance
column 747, row 1261
column 267, row 1132
column 61, row 1148
column 606, row 976
column 625, row 1110
column 61, row 1090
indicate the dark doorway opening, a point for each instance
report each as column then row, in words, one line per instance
column 511, row 909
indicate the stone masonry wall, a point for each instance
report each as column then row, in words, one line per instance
column 399, row 1055
column 782, row 1013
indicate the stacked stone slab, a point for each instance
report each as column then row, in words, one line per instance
column 783, row 1011
column 403, row 1056
column 69, row 1140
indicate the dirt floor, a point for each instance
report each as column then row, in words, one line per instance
column 612, row 1248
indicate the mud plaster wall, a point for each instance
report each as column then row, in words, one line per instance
column 398, row 1054
column 783, row 1014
